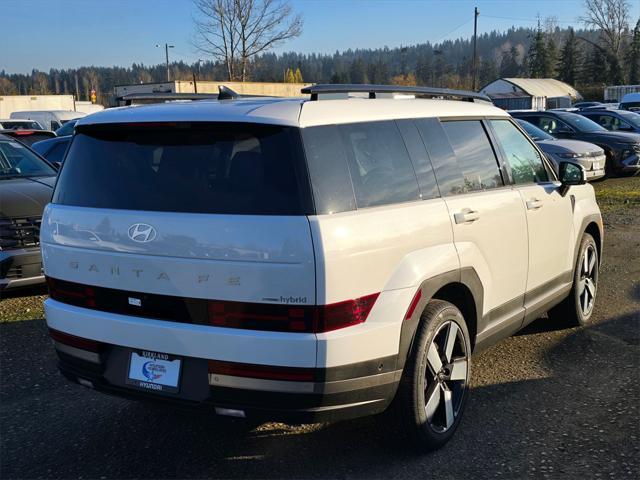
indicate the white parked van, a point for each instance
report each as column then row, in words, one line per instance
column 49, row 119
column 308, row 259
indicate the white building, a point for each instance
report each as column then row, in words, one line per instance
column 530, row 93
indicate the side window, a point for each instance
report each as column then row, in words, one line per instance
column 552, row 125
column 419, row 158
column 328, row 169
column 613, row 123
column 475, row 157
column 380, row 168
column 526, row 163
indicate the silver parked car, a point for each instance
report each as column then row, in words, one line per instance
column 590, row 156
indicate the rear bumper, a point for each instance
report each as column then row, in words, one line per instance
column 20, row 268
column 266, row 400
column 326, row 393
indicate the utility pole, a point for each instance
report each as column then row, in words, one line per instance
column 166, row 53
column 475, row 52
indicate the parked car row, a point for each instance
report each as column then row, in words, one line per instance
column 621, row 147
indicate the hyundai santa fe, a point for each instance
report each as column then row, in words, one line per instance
column 310, row 259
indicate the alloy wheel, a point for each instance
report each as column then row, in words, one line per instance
column 587, row 284
column 446, row 376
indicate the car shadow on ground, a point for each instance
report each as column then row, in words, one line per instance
column 24, row 292
column 552, row 425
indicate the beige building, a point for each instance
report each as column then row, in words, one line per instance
column 187, row 86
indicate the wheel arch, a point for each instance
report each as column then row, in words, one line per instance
column 462, row 288
column 591, row 224
column 593, row 230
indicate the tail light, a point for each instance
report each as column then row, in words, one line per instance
column 73, row 341
column 284, row 318
column 267, row 372
column 71, row 293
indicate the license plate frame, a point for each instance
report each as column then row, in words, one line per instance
column 154, row 371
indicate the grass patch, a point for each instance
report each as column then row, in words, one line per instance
column 22, row 308
column 618, row 194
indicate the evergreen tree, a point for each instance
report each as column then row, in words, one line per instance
column 377, row 72
column 569, row 59
column 552, row 59
column 488, row 72
column 424, row 71
column 594, row 71
column 509, row 66
column 358, row 71
column 633, row 56
column 539, row 62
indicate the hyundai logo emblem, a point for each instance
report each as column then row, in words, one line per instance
column 141, row 232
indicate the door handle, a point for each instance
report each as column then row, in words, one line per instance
column 534, row 204
column 466, row 216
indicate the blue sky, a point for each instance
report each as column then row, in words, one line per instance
column 69, row 33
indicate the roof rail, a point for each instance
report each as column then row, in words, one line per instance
column 372, row 90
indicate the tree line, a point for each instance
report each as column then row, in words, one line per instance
column 578, row 57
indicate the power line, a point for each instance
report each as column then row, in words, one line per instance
column 451, row 31
column 529, row 19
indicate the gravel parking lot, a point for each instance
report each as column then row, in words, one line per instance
column 547, row 403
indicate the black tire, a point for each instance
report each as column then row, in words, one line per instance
column 420, row 383
column 572, row 311
column 609, row 171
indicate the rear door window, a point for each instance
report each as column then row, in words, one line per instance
column 198, row 168
column 475, row 158
column 380, row 168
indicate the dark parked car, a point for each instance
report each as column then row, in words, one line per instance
column 53, row 149
column 581, row 105
column 622, row 148
column 590, row 156
column 29, row 137
column 26, row 184
column 615, row 120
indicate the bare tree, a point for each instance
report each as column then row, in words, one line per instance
column 233, row 31
column 216, row 32
column 611, row 17
column 264, row 24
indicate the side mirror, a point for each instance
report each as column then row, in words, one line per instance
column 571, row 174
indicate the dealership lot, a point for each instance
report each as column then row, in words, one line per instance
column 547, row 402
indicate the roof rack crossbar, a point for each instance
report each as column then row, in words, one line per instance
column 372, row 90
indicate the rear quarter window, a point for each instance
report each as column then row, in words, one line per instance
column 200, row 168
column 381, row 170
column 461, row 154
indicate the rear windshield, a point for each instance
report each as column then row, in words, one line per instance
column 21, row 125
column 203, row 168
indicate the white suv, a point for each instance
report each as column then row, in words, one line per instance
column 310, row 259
